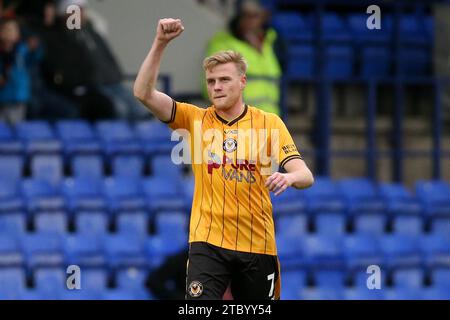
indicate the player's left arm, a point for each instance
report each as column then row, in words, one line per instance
column 297, row 175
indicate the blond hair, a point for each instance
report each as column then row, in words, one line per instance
column 223, row 57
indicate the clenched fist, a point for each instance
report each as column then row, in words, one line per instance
column 168, row 29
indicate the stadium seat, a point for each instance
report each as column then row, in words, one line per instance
column 133, row 280
column 407, row 224
column 300, row 61
column 94, row 281
column 335, row 28
column 50, row 283
column 11, row 168
column 409, row 278
column 400, row 251
column 412, row 29
column 12, row 283
column 402, row 293
column 289, row 202
column 162, row 195
column 10, row 197
column 375, row 62
column 434, row 196
column 155, row 137
column 292, row 224
column 87, row 167
column 159, row 247
column 363, row 293
column 124, row 194
column 361, row 195
column 331, row 223
column 85, row 194
column 435, row 250
column 170, row 224
column 358, row 27
column 292, row 27
column 290, row 251
column 38, row 137
column 441, row 225
column 91, row 222
column 162, row 166
column 309, row 293
column 124, row 250
column 43, row 250
column 436, row 293
column 85, row 250
column 10, row 251
column 329, row 278
column 325, row 196
column 361, row 250
column 365, row 278
column 323, row 251
column 135, row 222
column 399, row 200
column 370, row 223
column 77, row 137
column 128, row 166
column 117, row 137
column 48, row 168
column 51, row 222
column 339, row 61
column 42, row 196
column 293, row 281
column 440, row 277
column 414, row 62
column 13, row 222
column 117, row 294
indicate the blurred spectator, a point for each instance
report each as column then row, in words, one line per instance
column 80, row 64
column 248, row 34
column 16, row 59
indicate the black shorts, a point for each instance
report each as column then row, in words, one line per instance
column 211, row 270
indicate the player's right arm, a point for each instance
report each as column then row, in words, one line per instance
column 159, row 103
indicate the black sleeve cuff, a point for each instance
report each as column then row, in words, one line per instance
column 286, row 160
column 172, row 115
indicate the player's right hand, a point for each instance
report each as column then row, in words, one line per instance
column 168, row 29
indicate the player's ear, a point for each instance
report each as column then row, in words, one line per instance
column 243, row 81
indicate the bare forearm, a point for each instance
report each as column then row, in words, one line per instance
column 301, row 179
column 144, row 85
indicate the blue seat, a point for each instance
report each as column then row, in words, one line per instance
column 434, row 196
column 413, row 30
column 162, row 166
column 375, row 61
column 435, row 250
column 329, row 278
column 363, row 35
column 363, row 293
column 292, row 224
column 290, row 251
column 363, row 278
column 85, row 250
column 133, row 223
column 361, row 250
column 407, row 224
column 11, row 168
column 48, row 168
column 293, row 282
column 94, row 280
column 325, row 196
column 370, row 223
column 42, row 196
column 10, row 197
column 403, row 293
column 441, row 224
column 320, row 294
column 409, row 278
column 51, row 222
column 8, row 142
column 441, row 277
column 12, row 283
column 77, row 136
column 171, row 223
column 162, row 195
column 117, row 136
column 324, row 251
column 13, row 223
column 399, row 200
column 339, row 61
column 400, row 251
column 38, row 137
column 124, row 194
column 154, row 137
column 87, row 166
column 335, row 28
column 124, row 250
column 117, row 294
column 436, row 293
column 50, row 283
column 300, row 61
column 128, row 166
column 85, row 194
column 332, row 223
column 10, row 251
column 289, row 202
column 91, row 222
column 361, row 196
column 159, row 247
column 43, row 250
column 415, row 61
column 292, row 26
column 133, row 280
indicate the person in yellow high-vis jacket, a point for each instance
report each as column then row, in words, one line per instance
column 248, row 36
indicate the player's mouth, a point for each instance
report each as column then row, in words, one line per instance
column 218, row 97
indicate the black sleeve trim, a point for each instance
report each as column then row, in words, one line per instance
column 172, row 115
column 286, row 160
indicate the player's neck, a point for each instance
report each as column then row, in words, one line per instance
column 231, row 113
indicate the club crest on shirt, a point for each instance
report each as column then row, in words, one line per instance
column 229, row 145
column 195, row 289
